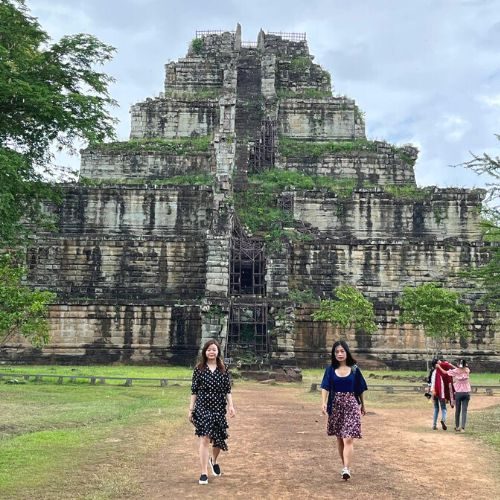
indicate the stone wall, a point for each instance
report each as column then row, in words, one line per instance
column 134, row 211
column 129, row 165
column 172, row 118
column 377, row 168
column 378, row 267
column 119, row 268
column 372, row 213
column 332, row 118
column 107, row 333
column 192, row 75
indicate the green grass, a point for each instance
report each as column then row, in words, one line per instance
column 60, row 438
column 100, row 370
column 485, row 425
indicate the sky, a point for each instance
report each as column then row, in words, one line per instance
column 425, row 72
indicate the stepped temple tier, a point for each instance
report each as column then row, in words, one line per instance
column 247, row 191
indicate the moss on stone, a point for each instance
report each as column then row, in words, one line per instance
column 179, row 147
column 296, row 148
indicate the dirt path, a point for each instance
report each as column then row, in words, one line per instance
column 279, row 450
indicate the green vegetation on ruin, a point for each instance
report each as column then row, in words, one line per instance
column 307, row 93
column 359, row 115
column 200, row 179
column 198, row 44
column 296, row 148
column 277, row 180
column 299, row 64
column 179, row 147
column 305, row 296
column 257, row 206
column 409, row 192
column 305, row 149
column 200, row 94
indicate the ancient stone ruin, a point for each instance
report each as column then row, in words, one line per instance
column 246, row 192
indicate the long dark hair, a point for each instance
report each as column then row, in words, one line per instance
column 349, row 360
column 203, row 362
column 462, row 363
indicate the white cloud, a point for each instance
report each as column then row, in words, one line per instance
column 490, row 100
column 454, row 127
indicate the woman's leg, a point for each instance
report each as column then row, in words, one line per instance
column 458, row 407
column 348, row 451
column 435, row 401
column 215, row 454
column 204, row 445
column 340, row 447
column 443, row 410
column 465, row 403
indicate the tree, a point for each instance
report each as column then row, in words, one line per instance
column 50, row 95
column 487, row 276
column 348, row 310
column 437, row 310
column 22, row 311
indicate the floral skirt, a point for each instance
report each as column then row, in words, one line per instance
column 211, row 424
column 345, row 419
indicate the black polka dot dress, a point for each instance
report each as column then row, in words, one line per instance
column 209, row 415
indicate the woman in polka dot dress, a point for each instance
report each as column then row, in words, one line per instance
column 210, row 390
column 342, row 399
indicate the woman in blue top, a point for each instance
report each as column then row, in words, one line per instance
column 342, row 399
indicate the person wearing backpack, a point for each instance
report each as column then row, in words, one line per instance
column 342, row 400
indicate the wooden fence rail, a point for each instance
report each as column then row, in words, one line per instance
column 391, row 389
column 93, row 379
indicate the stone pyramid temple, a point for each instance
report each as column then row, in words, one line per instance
column 247, row 191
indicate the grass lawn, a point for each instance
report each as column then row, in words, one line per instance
column 100, row 370
column 485, row 425
column 56, row 439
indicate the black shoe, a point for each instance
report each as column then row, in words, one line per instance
column 203, row 479
column 346, row 474
column 215, row 468
column 443, row 425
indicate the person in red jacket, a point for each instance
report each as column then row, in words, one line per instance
column 441, row 388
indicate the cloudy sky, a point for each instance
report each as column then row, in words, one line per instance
column 425, row 72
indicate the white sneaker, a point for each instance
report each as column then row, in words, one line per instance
column 346, row 474
column 203, row 479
